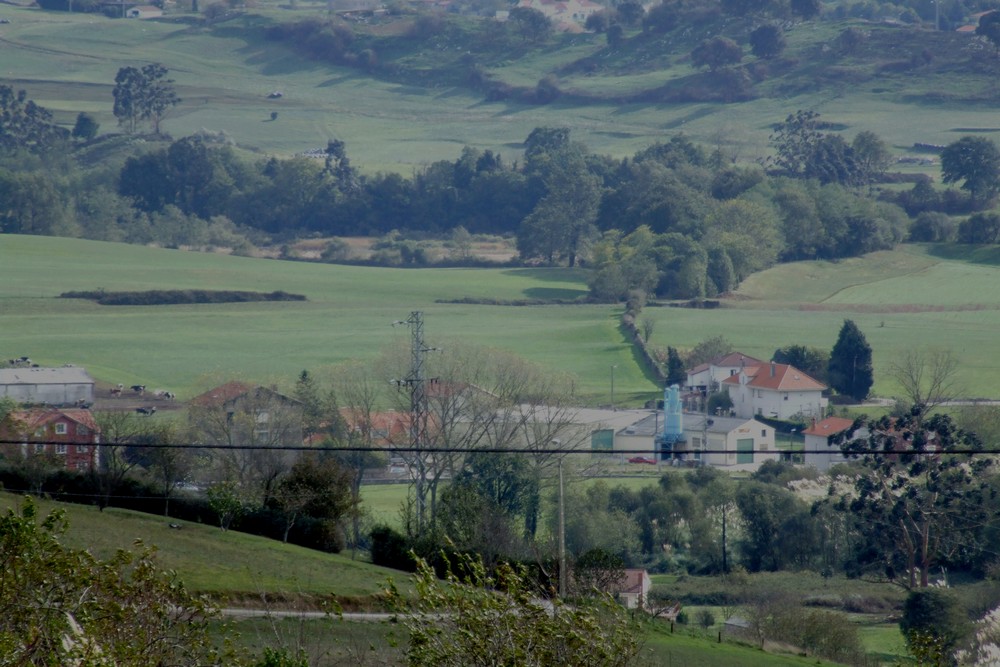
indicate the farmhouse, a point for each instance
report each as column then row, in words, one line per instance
column 238, row 412
column 709, row 375
column 70, row 436
column 820, row 452
column 778, row 391
column 67, row 385
column 633, row 592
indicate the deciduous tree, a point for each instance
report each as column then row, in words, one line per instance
column 976, row 162
column 143, row 94
column 25, row 125
column 477, row 619
column 716, row 52
column 767, row 41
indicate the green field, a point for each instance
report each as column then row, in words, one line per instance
column 230, row 566
column 67, row 63
column 909, row 298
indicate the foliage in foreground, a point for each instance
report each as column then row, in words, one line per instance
column 476, row 618
column 62, row 606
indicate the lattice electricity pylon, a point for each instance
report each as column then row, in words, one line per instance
column 416, row 381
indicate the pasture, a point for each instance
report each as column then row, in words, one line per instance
column 229, row 566
column 67, row 63
column 914, row 297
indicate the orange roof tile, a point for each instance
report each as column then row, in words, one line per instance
column 829, row 426
column 778, row 377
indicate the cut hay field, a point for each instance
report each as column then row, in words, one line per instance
column 908, row 298
column 223, row 73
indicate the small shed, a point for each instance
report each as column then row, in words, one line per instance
column 67, row 385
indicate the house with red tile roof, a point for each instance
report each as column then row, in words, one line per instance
column 709, row 375
column 777, row 391
column 71, row 436
column 633, row 591
column 821, row 452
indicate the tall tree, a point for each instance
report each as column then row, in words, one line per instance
column 922, row 502
column 562, row 223
column 143, row 94
column 25, row 125
column 676, row 373
column 850, row 369
column 976, row 162
column 928, row 377
column 315, row 487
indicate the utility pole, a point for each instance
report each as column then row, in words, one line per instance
column 613, row 367
column 562, row 537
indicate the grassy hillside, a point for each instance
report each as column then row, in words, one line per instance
column 911, row 297
column 415, row 107
column 230, row 566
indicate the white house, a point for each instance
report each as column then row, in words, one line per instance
column 819, row 451
column 709, row 376
column 778, row 391
column 634, row 589
column 729, row 442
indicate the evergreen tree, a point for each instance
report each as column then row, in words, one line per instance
column 676, row 374
column 850, row 369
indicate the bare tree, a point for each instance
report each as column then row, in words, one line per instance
column 252, row 428
column 358, row 395
column 928, row 377
column 119, row 431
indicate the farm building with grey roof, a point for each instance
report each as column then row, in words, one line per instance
column 52, row 386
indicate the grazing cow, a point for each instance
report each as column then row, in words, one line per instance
column 116, row 391
column 146, row 411
column 139, row 389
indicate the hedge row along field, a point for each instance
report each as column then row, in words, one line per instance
column 173, row 297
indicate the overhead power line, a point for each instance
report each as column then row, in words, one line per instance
column 409, row 448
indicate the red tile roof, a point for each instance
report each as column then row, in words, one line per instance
column 222, row 394
column 829, row 426
column 777, row 377
column 37, row 418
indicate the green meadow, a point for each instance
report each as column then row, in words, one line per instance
column 229, row 566
column 224, row 73
column 911, row 298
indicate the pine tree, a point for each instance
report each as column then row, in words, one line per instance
column 676, row 374
column 850, row 369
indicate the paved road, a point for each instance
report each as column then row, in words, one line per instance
column 272, row 613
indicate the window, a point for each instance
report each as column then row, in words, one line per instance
column 786, row 397
column 763, row 433
column 61, row 448
column 82, row 430
column 60, row 428
column 82, row 449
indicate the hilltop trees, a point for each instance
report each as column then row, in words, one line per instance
column 143, row 94
column 716, row 52
column 26, row 126
column 850, row 369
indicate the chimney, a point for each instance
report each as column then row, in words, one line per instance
column 773, row 369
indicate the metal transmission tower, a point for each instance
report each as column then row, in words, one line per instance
column 416, row 382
